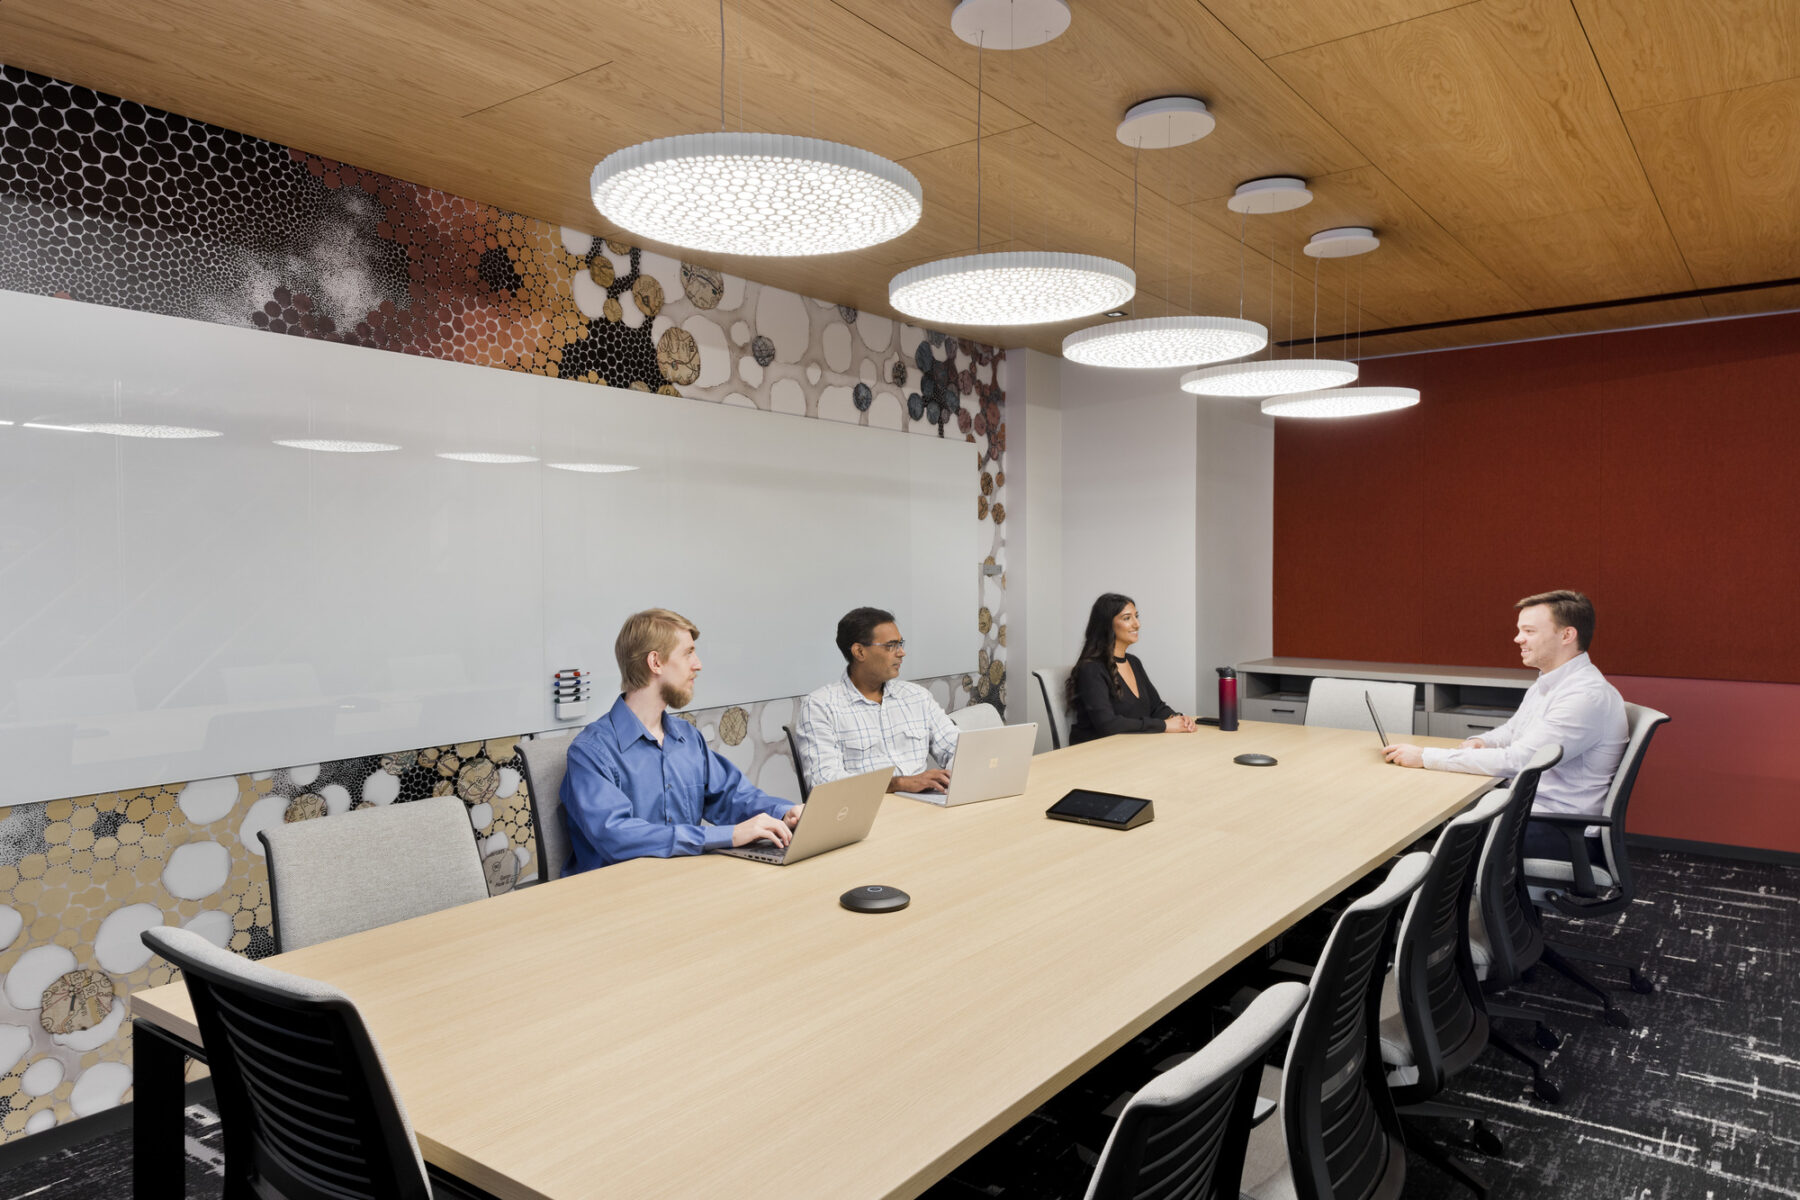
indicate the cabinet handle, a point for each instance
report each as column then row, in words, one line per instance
column 1472, row 725
column 1285, row 710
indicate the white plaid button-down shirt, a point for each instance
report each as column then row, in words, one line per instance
column 843, row 733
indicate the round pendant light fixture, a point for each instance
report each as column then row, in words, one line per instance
column 1024, row 287
column 1009, row 24
column 1150, row 343
column 757, row 194
column 1342, row 402
column 1269, row 377
column 1278, row 193
column 1163, row 342
column 1015, row 287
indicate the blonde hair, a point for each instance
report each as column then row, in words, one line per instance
column 654, row 629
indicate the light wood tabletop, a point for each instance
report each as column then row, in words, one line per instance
column 709, row 1026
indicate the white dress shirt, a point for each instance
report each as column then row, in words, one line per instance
column 843, row 733
column 1572, row 706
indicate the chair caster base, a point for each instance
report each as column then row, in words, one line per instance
column 1546, row 1091
column 1641, row 985
column 1547, row 1037
column 1483, row 1140
column 1616, row 1016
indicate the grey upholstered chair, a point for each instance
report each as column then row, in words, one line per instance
column 1577, row 888
column 799, row 763
column 1339, row 704
column 308, row 1108
column 977, row 716
column 1053, row 686
column 335, row 876
column 546, row 759
column 1184, row 1132
column 1433, row 1021
column 1339, row 1137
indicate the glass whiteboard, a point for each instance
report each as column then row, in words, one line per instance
column 181, row 608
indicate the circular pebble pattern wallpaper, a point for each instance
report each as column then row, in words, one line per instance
column 106, row 201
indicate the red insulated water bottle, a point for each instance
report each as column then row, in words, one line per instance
column 1227, row 698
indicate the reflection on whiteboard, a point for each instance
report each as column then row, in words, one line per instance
column 182, row 607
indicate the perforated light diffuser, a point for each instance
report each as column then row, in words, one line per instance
column 756, row 193
column 1165, row 342
column 1342, row 402
column 1269, row 377
column 1027, row 287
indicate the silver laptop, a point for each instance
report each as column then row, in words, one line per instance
column 990, row 763
column 836, row 814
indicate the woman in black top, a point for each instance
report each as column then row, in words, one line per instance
column 1109, row 691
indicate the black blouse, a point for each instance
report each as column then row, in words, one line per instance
column 1099, row 713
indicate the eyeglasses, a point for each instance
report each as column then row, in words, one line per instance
column 890, row 647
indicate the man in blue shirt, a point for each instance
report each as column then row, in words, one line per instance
column 640, row 779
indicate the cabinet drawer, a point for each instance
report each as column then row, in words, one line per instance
column 1290, row 712
column 1460, row 725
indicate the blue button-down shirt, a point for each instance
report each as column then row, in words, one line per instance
column 625, row 796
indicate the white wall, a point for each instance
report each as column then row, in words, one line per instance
column 1235, row 551
column 1130, row 513
column 1128, row 484
column 1036, row 635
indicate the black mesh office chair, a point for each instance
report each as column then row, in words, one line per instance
column 1433, row 1021
column 1577, row 888
column 1183, row 1134
column 1339, row 1136
column 308, row 1108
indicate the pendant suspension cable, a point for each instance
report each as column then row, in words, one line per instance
column 1315, row 339
column 721, row 66
column 979, row 45
column 1243, row 228
column 1136, row 149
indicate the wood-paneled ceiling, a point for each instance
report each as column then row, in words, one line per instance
column 1514, row 155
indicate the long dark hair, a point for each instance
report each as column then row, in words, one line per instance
column 1097, row 641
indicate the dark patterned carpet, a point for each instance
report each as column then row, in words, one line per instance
column 1701, row 1099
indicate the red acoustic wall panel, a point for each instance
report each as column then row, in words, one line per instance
column 1658, row 470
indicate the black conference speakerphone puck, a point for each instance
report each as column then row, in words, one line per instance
column 1254, row 760
column 875, row 897
column 1109, row 810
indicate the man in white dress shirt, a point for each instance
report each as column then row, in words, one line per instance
column 871, row 718
column 1571, row 704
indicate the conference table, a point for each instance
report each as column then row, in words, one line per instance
column 710, row 1026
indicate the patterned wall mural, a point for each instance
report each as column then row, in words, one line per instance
column 105, row 201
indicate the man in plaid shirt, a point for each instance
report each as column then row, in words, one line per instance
column 871, row 718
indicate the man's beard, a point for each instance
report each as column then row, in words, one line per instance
column 676, row 698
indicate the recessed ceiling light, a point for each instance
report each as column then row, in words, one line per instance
column 485, row 456
column 336, row 445
column 1165, row 122
column 1269, row 377
column 1341, row 243
column 591, row 468
column 1009, row 24
column 1115, row 312
column 1342, row 402
column 131, row 430
column 1278, row 193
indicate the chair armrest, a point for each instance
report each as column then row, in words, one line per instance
column 1262, row 1111
column 1578, row 820
column 1573, row 826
